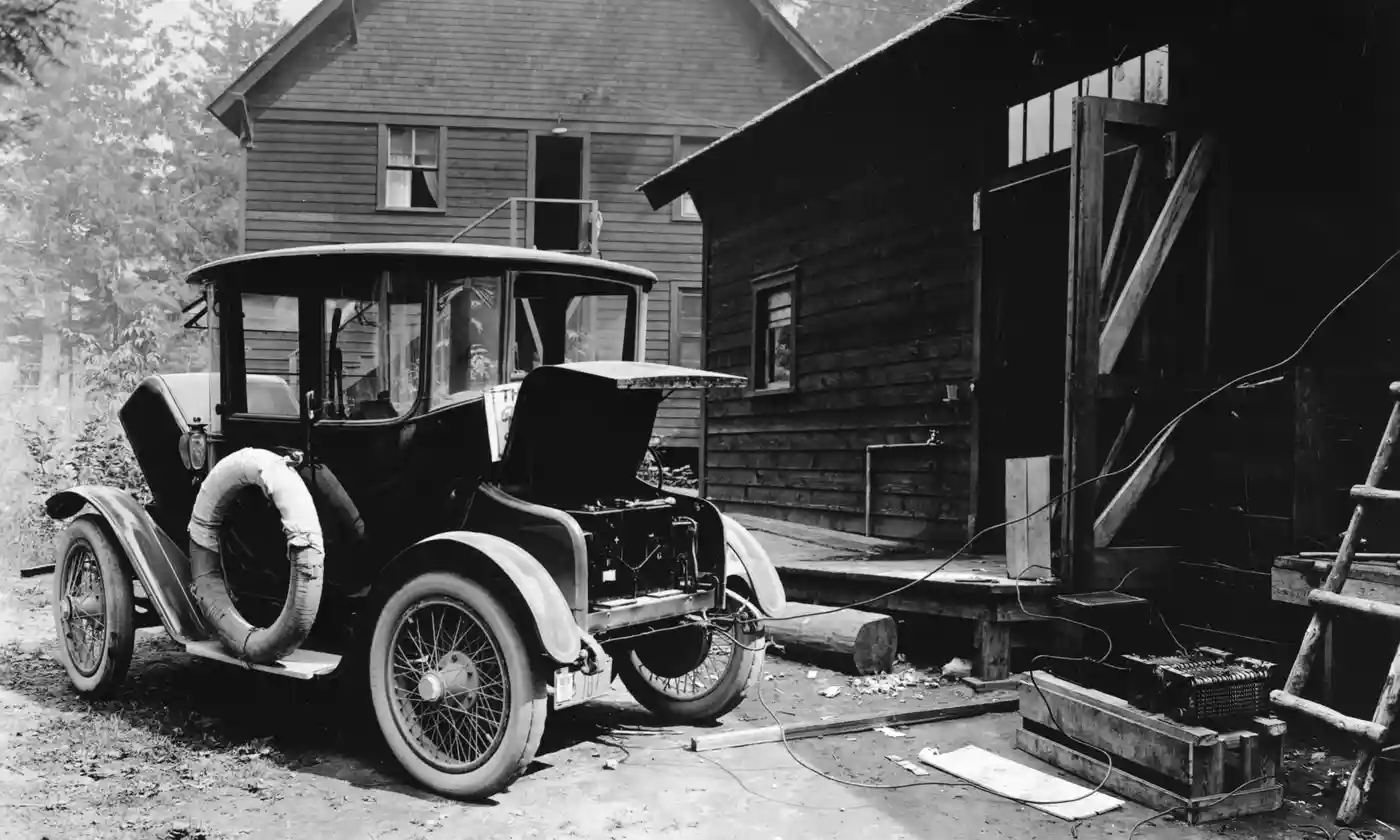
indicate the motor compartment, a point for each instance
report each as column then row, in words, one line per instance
column 638, row 547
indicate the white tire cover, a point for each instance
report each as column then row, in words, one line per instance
column 271, row 474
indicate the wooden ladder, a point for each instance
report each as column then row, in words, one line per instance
column 1324, row 601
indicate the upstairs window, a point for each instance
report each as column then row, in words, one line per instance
column 683, row 209
column 412, row 168
column 687, row 327
column 1044, row 124
column 775, row 327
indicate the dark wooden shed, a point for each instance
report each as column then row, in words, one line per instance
column 935, row 239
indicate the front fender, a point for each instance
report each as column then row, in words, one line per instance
column 160, row 565
column 745, row 558
column 553, row 622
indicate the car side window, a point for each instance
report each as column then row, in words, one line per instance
column 371, row 350
column 466, row 338
column 270, row 358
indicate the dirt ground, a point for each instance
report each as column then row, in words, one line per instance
column 195, row 749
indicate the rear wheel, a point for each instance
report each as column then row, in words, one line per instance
column 454, row 687
column 697, row 673
column 93, row 609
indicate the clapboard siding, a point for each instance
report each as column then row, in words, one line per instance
column 634, row 233
column 318, row 182
column 884, row 322
column 655, row 62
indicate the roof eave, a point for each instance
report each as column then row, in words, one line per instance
column 668, row 185
column 793, row 37
column 222, row 106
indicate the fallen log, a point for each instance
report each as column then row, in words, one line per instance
column 863, row 642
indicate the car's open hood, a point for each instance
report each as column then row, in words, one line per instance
column 589, row 423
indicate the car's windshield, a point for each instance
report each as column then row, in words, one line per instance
column 555, row 317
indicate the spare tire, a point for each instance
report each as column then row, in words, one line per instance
column 274, row 476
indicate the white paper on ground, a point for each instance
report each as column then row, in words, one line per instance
column 1008, row 778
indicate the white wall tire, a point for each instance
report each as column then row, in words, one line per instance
column 706, row 692
column 461, row 709
column 93, row 609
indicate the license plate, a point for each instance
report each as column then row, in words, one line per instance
column 574, row 687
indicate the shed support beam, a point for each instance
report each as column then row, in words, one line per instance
column 1154, row 254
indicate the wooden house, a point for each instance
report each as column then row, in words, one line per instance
column 527, row 122
column 1046, row 230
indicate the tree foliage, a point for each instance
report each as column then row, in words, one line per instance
column 123, row 186
column 32, row 35
column 844, row 30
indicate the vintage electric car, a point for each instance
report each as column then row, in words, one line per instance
column 416, row 466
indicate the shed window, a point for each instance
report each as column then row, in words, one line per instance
column 775, row 323
column 683, row 209
column 687, row 327
column 1043, row 124
column 412, row 168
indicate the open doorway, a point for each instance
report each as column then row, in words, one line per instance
column 558, row 173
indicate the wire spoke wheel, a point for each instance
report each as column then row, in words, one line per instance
column 454, row 686
column 93, row 608
column 450, row 684
column 697, row 672
column 83, row 608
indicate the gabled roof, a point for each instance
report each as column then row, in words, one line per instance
column 666, row 186
column 228, row 106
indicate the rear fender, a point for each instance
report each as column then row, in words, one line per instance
column 552, row 622
column 160, row 565
column 746, row 559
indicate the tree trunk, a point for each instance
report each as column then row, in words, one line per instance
column 864, row 642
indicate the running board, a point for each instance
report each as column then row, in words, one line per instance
column 300, row 665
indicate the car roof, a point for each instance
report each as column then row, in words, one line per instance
column 517, row 257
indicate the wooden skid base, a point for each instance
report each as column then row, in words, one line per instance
column 1261, row 800
column 1204, row 773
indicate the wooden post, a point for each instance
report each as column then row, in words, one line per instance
column 1082, row 334
column 1028, row 540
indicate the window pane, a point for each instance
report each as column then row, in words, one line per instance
column 691, row 316
column 424, row 191
column 1157, row 76
column 467, row 338
column 397, row 187
column 425, row 147
column 1097, row 85
column 1064, row 116
column 595, row 328
column 400, row 147
column 1038, row 127
column 688, row 207
column 270, row 333
column 1127, row 80
column 373, row 347
column 1015, row 128
column 690, row 355
column 779, row 356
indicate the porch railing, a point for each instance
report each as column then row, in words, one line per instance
column 519, row 222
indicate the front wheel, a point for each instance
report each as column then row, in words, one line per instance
column 454, row 686
column 93, row 609
column 700, row 672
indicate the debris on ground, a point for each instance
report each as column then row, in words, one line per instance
column 830, row 691
column 957, row 668
column 894, row 683
column 893, row 733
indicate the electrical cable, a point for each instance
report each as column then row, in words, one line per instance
column 1213, row 800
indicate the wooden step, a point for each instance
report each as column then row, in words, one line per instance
column 1366, row 606
column 1355, row 727
column 300, row 665
column 1368, row 493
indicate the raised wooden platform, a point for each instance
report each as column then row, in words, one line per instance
column 1202, row 774
column 830, row 568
